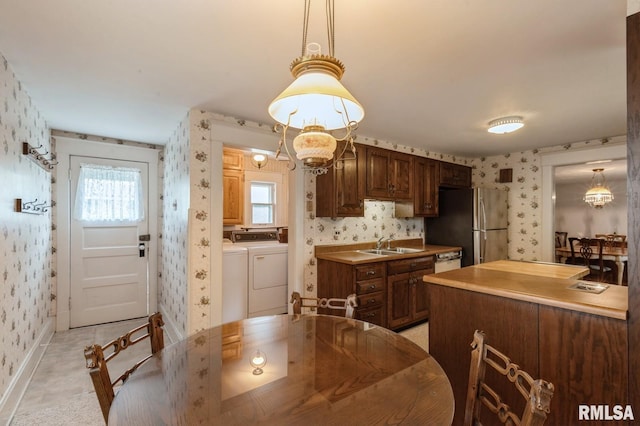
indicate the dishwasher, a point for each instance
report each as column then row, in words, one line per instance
column 448, row 261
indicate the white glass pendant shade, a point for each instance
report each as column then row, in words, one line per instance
column 316, row 98
column 314, row 146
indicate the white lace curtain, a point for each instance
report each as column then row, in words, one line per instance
column 109, row 194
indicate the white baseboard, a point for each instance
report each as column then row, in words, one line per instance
column 171, row 332
column 17, row 387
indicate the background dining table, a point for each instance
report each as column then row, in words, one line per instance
column 319, row 369
column 618, row 254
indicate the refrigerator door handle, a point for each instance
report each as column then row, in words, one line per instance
column 483, row 225
column 483, row 245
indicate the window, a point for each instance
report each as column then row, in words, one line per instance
column 109, row 194
column 263, row 203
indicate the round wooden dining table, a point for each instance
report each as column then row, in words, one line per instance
column 319, row 370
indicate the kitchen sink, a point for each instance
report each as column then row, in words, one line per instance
column 402, row 250
column 373, row 251
column 389, row 252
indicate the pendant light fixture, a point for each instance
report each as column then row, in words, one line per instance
column 317, row 104
column 505, row 124
column 598, row 194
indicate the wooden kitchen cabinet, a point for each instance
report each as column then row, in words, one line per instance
column 340, row 191
column 389, row 175
column 407, row 295
column 455, row 175
column 232, row 159
column 233, row 197
column 232, row 187
column 426, row 178
column 367, row 281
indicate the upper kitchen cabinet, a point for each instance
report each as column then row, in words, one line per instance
column 340, row 191
column 232, row 187
column 455, row 175
column 389, row 175
column 232, row 159
column 425, row 182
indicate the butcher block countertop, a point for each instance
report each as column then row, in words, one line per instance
column 542, row 283
column 349, row 254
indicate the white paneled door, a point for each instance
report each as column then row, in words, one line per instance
column 108, row 256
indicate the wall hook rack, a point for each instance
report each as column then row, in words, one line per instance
column 45, row 159
column 32, row 207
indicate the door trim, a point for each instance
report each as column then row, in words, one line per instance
column 65, row 148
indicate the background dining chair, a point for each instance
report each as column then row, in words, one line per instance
column 537, row 394
column 561, row 241
column 588, row 252
column 97, row 360
column 348, row 305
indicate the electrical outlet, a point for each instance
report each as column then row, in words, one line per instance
column 336, row 233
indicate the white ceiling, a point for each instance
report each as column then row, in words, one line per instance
column 582, row 173
column 429, row 74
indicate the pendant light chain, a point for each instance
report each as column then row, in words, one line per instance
column 305, row 26
column 330, row 26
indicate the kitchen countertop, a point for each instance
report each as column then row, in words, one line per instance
column 349, row 254
column 542, row 283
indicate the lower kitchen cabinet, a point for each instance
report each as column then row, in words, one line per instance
column 367, row 281
column 390, row 293
column 407, row 295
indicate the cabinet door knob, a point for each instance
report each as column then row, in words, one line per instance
column 372, row 301
column 372, row 287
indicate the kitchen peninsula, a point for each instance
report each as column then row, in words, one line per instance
column 575, row 339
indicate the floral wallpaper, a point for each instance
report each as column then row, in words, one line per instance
column 25, row 239
column 525, row 192
column 200, row 219
column 172, row 280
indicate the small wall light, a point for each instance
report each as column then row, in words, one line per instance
column 259, row 160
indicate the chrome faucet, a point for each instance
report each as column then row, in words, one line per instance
column 382, row 240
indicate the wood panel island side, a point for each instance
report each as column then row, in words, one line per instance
column 574, row 339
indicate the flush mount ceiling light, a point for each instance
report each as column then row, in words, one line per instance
column 505, row 125
column 317, row 103
column 598, row 194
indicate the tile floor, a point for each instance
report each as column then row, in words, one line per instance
column 61, row 392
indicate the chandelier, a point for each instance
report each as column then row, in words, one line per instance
column 598, row 194
column 317, row 104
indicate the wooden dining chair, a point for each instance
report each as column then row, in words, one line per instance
column 589, row 253
column 348, row 305
column 536, row 393
column 98, row 356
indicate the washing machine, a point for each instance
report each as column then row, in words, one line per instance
column 267, row 270
column 235, row 269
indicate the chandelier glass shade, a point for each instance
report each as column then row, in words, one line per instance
column 317, row 104
column 598, row 195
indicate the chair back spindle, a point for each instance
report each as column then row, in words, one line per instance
column 536, row 393
column 348, row 305
column 97, row 356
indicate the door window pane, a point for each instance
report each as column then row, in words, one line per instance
column 109, row 194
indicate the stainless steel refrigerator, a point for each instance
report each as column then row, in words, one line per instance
column 474, row 219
